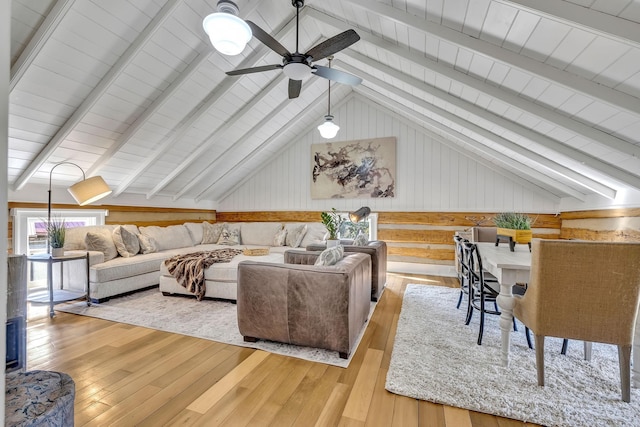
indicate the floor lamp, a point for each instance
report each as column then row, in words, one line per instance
column 84, row 192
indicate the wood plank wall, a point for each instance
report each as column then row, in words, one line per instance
column 420, row 237
column 618, row 225
column 138, row 215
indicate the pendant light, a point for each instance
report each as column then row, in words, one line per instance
column 328, row 129
column 228, row 33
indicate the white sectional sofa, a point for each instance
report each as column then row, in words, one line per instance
column 113, row 276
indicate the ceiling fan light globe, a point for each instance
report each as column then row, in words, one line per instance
column 328, row 129
column 229, row 34
column 296, row 70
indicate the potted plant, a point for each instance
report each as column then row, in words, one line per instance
column 56, row 232
column 332, row 221
column 515, row 226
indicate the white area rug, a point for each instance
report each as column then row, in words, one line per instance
column 208, row 319
column 435, row 358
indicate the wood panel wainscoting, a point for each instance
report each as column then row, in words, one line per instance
column 138, row 215
column 415, row 237
column 618, row 225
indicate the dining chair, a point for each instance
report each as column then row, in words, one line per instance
column 587, row 291
column 483, row 288
column 461, row 268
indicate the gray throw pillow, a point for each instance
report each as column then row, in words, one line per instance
column 295, row 235
column 330, row 256
column 101, row 241
column 211, row 232
column 229, row 235
column 126, row 242
column 148, row 244
column 280, row 238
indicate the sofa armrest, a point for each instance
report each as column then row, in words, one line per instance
column 301, row 257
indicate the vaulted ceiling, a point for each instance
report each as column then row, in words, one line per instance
column 132, row 90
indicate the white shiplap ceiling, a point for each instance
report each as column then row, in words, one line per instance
column 548, row 90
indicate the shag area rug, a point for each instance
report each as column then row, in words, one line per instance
column 435, row 358
column 208, row 319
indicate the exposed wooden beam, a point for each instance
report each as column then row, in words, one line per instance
column 523, row 63
column 219, row 91
column 217, row 135
column 309, row 109
column 588, row 19
column 97, row 92
column 544, row 162
column 37, row 42
column 222, row 161
column 545, row 186
column 580, row 129
column 126, row 136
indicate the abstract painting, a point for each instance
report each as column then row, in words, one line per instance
column 358, row 169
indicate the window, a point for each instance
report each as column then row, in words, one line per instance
column 349, row 230
column 30, row 233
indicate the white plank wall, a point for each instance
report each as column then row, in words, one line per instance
column 430, row 175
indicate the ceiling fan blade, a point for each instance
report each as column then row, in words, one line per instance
column 266, row 38
column 333, row 45
column 295, row 86
column 336, row 75
column 253, row 70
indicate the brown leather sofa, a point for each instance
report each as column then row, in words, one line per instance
column 303, row 304
column 377, row 249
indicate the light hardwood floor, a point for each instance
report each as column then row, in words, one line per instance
column 127, row 375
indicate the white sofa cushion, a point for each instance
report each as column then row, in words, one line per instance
column 101, row 241
column 295, row 234
column 259, row 233
column 126, row 242
column 315, row 234
column 119, row 268
column 211, row 233
column 171, row 237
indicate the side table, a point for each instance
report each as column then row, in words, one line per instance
column 55, row 296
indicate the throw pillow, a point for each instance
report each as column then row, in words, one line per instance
column 229, row 235
column 280, row 238
column 330, row 256
column 101, row 242
column 295, row 235
column 211, row 232
column 361, row 240
column 127, row 243
column 147, row 244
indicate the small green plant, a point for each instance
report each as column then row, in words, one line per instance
column 56, row 231
column 513, row 221
column 332, row 220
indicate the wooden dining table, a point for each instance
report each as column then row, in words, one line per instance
column 514, row 267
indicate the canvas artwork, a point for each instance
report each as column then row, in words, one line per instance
column 363, row 168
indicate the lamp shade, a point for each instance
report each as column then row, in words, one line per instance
column 89, row 190
column 228, row 33
column 328, row 129
column 360, row 214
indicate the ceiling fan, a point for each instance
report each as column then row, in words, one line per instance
column 298, row 65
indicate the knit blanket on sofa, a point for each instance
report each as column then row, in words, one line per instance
column 188, row 269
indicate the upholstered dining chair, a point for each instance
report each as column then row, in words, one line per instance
column 587, row 291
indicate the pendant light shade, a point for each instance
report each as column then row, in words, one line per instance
column 328, row 129
column 228, row 33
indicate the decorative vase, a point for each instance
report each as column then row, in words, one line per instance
column 57, row 252
column 331, row 243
